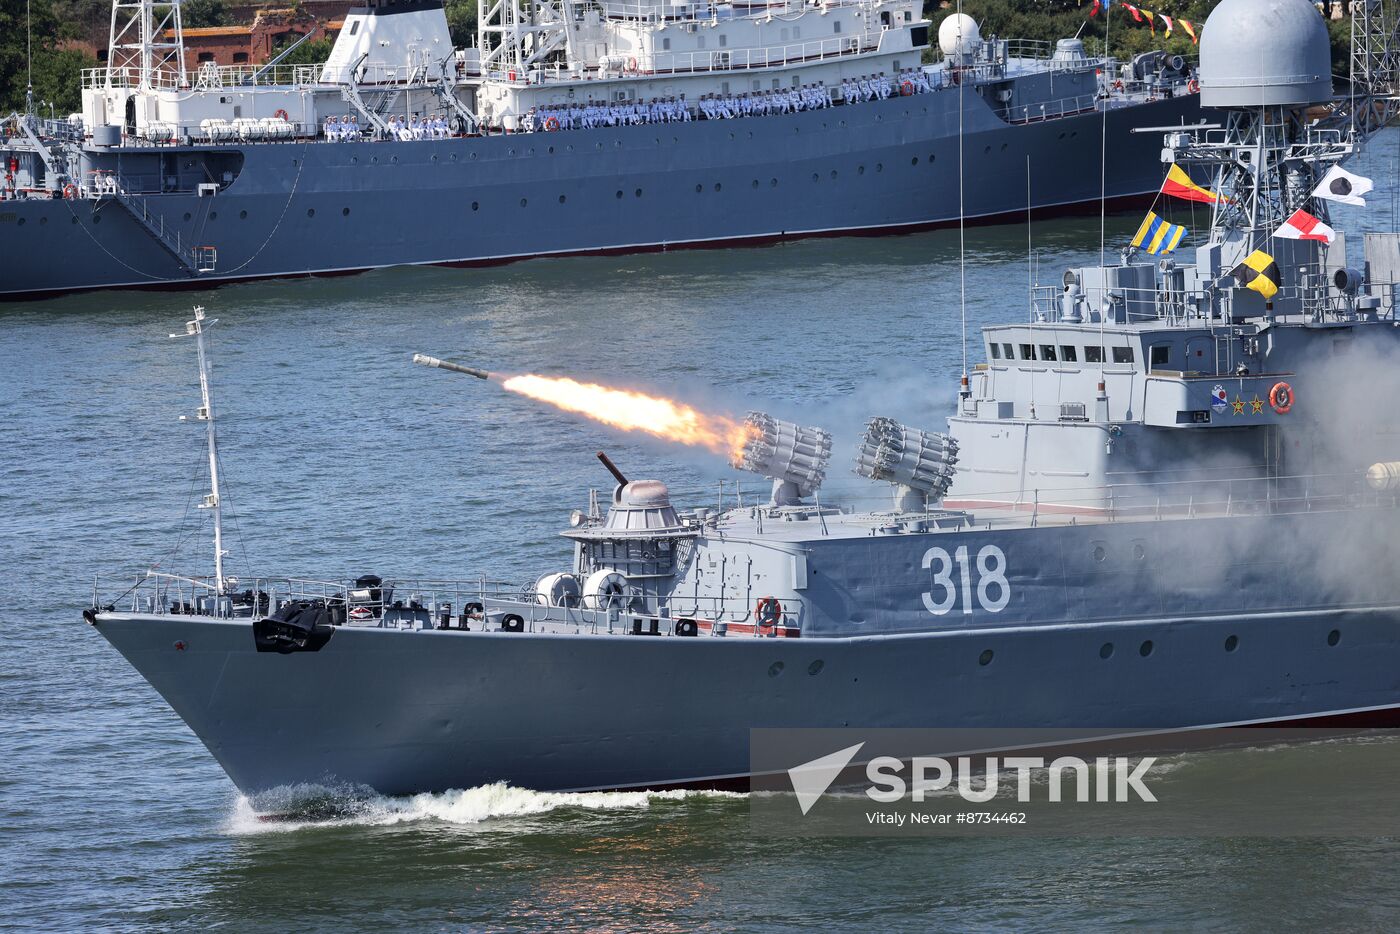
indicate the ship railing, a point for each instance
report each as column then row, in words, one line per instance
column 233, row 76
column 1231, row 491
column 444, row 604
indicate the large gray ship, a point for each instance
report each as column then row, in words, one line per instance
column 1154, row 507
column 581, row 127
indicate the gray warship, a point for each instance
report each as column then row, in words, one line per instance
column 577, row 127
column 1163, row 502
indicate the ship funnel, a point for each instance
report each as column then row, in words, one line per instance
column 919, row 463
column 794, row 457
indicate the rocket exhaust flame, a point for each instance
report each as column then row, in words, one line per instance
column 635, row 411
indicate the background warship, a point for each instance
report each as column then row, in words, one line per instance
column 1163, row 502
column 400, row 150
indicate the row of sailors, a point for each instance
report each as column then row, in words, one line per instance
column 881, row 87
column 342, row 128
column 726, row 106
column 415, row 128
column 590, row 115
column 762, row 103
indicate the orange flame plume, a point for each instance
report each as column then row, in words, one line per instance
column 635, row 411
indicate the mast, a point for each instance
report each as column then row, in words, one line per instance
column 206, row 415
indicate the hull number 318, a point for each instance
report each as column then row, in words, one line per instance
column 992, row 590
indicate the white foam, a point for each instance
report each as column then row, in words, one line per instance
column 297, row 807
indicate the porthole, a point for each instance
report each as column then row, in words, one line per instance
column 619, row 193
column 434, row 157
column 986, row 150
column 1106, row 650
column 775, row 669
column 637, row 193
column 833, row 175
column 816, row 177
column 550, row 150
column 717, row 186
column 879, row 167
column 860, row 170
column 452, row 157
column 750, row 134
column 344, row 212
column 755, row 184
column 914, row 161
column 97, row 218
column 1139, row 552
column 1003, row 145
column 509, row 152
column 476, row 206
column 310, row 212
column 75, row 220
column 43, row 221
column 243, row 215
column 187, row 215
column 561, row 199
column 473, row 155
column 294, row 162
column 1062, row 136
column 816, row 667
column 731, row 135
column 374, row 160
column 1145, row 649
column 598, row 146
column 930, row 158
column 985, row 658
column 523, row 202
column 772, row 183
column 1334, row 637
column 354, row 160
column 699, row 188
column 213, row 215
column 394, row 160
column 1232, row 643
column 1099, row 553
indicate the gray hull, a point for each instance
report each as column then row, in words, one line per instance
column 319, row 208
column 409, row 711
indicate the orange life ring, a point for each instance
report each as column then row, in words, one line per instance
column 906, row 88
column 551, row 124
column 632, row 64
column 280, row 114
column 1193, row 86
column 70, row 191
column 1118, row 85
column 1281, row 398
column 767, row 612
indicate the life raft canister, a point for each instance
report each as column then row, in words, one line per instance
column 1281, row 398
column 768, row 611
column 280, row 114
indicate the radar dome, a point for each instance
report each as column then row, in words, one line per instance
column 959, row 38
column 1265, row 52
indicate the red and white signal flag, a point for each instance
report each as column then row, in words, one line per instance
column 1303, row 226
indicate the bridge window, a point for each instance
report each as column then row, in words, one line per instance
column 1161, row 354
column 1047, row 352
column 1027, row 351
column 666, row 44
column 996, row 351
column 1067, row 353
column 1122, row 355
column 1006, row 351
column 1093, row 355
column 206, row 56
column 240, row 58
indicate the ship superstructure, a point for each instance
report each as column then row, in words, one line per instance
column 1163, row 502
column 780, row 120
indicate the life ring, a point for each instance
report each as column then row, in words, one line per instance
column 906, row 88
column 767, row 611
column 632, row 64
column 1118, row 85
column 70, row 191
column 1193, row 86
column 551, row 124
column 280, row 114
column 1281, row 398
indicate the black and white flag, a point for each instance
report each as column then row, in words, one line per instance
column 1340, row 185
